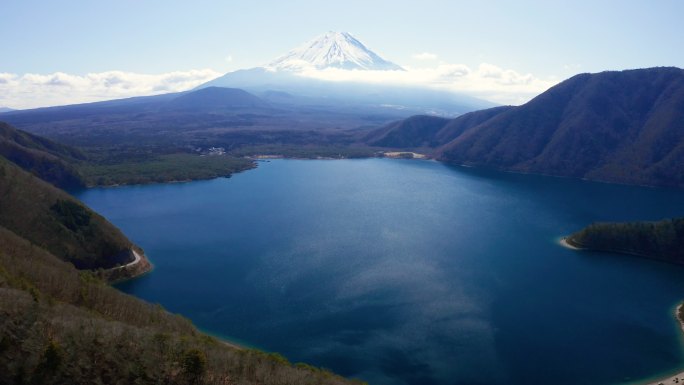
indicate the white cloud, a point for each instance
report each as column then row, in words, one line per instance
column 59, row 88
column 229, row 58
column 487, row 81
column 425, row 56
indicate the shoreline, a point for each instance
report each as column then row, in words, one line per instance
column 140, row 266
column 679, row 376
column 563, row 241
column 675, row 378
column 146, row 266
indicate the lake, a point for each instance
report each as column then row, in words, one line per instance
column 409, row 272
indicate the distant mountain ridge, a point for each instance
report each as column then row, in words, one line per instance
column 615, row 126
column 212, row 98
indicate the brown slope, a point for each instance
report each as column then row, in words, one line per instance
column 428, row 131
column 456, row 127
column 416, row 131
column 623, row 127
column 52, row 219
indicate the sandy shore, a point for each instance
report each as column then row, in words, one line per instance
column 401, row 154
column 676, row 379
column 138, row 266
column 232, row 344
column 564, row 242
column 136, row 259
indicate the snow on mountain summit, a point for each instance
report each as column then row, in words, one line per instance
column 332, row 50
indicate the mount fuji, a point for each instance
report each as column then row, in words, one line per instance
column 284, row 81
column 332, row 50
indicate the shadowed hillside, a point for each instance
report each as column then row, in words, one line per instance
column 625, row 127
column 48, row 160
column 416, row 131
column 52, row 219
column 428, row 131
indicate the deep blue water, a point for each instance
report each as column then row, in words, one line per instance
column 409, row 272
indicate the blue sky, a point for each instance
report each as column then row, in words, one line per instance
column 550, row 40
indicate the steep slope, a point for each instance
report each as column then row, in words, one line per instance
column 465, row 122
column 428, row 131
column 625, row 127
column 62, row 326
column 332, row 50
column 52, row 219
column 216, row 98
column 416, row 131
column 50, row 161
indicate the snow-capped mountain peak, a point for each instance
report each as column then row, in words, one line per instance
column 332, row 50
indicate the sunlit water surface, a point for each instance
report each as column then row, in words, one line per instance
column 409, row 272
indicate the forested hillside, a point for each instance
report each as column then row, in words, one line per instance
column 51, row 161
column 662, row 240
column 614, row 126
column 52, row 219
column 62, row 326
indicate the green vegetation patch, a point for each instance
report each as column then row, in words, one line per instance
column 662, row 240
column 51, row 219
column 307, row 151
column 72, row 215
column 162, row 168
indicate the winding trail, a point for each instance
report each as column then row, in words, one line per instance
column 136, row 259
column 137, row 267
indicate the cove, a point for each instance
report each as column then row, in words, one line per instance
column 409, row 272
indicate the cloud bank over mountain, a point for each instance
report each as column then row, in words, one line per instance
column 59, row 88
column 333, row 56
column 487, row 81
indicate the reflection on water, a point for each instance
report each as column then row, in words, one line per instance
column 409, row 272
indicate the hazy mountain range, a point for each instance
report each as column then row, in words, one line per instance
column 264, row 105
